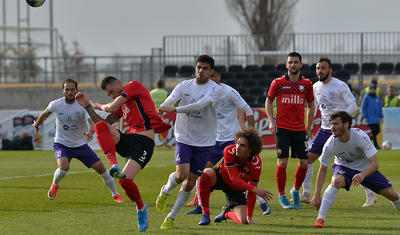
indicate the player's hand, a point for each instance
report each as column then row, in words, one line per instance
column 96, row 105
column 81, row 99
column 250, row 220
column 272, row 128
column 89, row 136
column 36, row 126
column 316, row 201
column 165, row 109
column 264, row 193
column 357, row 179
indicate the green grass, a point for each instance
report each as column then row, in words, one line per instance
column 84, row 205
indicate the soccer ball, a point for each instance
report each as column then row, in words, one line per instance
column 386, row 145
column 35, row 3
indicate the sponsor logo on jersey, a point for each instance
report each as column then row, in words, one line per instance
column 292, row 99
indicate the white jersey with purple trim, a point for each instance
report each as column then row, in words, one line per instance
column 197, row 128
column 70, row 122
column 227, row 121
column 331, row 97
column 353, row 154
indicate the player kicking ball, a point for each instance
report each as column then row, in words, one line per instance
column 71, row 139
column 239, row 171
column 355, row 163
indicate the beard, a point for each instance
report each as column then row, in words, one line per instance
column 322, row 78
column 295, row 72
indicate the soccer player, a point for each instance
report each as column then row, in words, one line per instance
column 195, row 133
column 229, row 105
column 355, row 163
column 293, row 91
column 330, row 95
column 239, row 171
column 71, row 139
column 134, row 103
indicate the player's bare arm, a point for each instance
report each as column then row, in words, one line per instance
column 165, row 109
column 373, row 166
column 111, row 118
column 316, row 200
column 42, row 117
column 310, row 119
column 270, row 113
column 112, row 106
column 89, row 134
column 84, row 102
column 264, row 193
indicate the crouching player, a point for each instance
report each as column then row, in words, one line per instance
column 355, row 163
column 239, row 171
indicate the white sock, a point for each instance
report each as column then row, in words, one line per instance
column 180, row 201
column 396, row 204
column 328, row 199
column 260, row 200
column 307, row 181
column 58, row 176
column 109, row 182
column 368, row 193
column 171, row 184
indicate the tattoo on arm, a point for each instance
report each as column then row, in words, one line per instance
column 93, row 115
column 111, row 118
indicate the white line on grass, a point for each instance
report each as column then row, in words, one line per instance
column 29, row 176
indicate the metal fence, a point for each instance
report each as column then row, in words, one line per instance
column 226, row 49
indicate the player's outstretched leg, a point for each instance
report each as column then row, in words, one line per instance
column 161, row 202
column 51, row 194
column 370, row 197
column 57, row 177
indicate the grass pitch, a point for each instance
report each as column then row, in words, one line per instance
column 84, row 205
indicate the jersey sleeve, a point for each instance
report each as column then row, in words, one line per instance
column 215, row 93
column 366, row 144
column 240, row 102
column 233, row 171
column 132, row 89
column 349, row 98
column 51, row 107
column 310, row 95
column 326, row 155
column 175, row 95
column 272, row 90
column 118, row 112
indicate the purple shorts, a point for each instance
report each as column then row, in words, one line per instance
column 218, row 151
column 376, row 181
column 83, row 153
column 317, row 143
column 197, row 157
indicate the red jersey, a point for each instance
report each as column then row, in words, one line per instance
column 139, row 111
column 241, row 175
column 292, row 97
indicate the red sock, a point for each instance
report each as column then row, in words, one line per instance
column 204, row 191
column 106, row 141
column 299, row 177
column 132, row 191
column 232, row 215
column 280, row 175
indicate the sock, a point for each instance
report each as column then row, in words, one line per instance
column 106, row 141
column 232, row 215
column 132, row 191
column 183, row 196
column 171, row 184
column 58, row 176
column 299, row 176
column 260, row 200
column 396, row 204
column 204, row 191
column 368, row 192
column 307, row 181
column 280, row 175
column 328, row 199
column 109, row 182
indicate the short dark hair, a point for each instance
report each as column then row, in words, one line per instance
column 160, row 83
column 294, row 54
column 344, row 117
column 108, row 80
column 69, row 80
column 206, row 59
column 253, row 139
column 324, row 59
